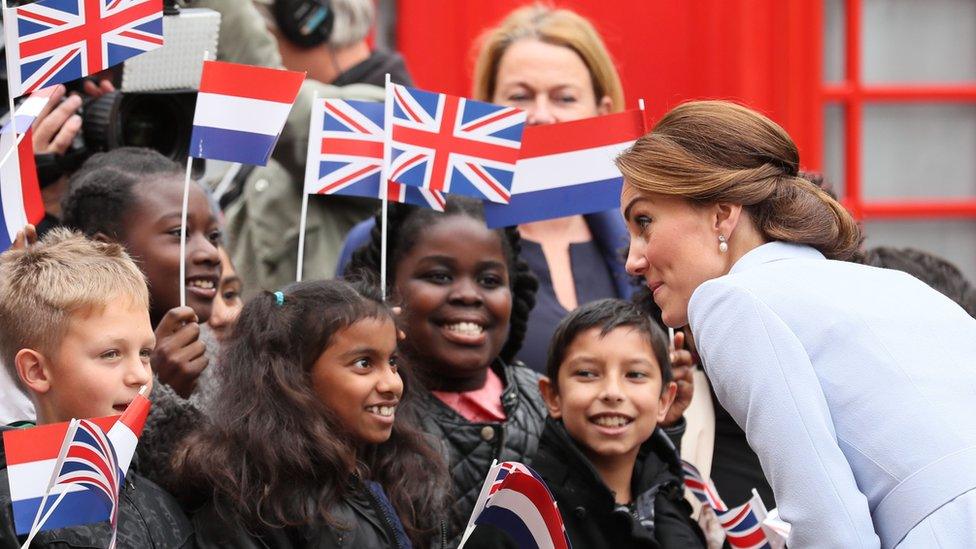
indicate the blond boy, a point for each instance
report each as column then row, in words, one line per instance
column 75, row 336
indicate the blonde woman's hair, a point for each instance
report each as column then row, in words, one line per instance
column 717, row 151
column 42, row 286
column 559, row 27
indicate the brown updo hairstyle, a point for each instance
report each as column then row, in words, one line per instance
column 717, row 151
column 559, row 27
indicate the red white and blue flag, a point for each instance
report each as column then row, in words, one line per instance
column 55, row 41
column 345, row 154
column 702, row 488
column 567, row 169
column 241, row 110
column 20, row 192
column 744, row 528
column 67, row 474
column 451, row 144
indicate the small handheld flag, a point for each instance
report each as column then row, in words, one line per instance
column 567, row 169
column 346, row 154
column 453, row 145
column 20, row 192
column 67, row 474
column 55, row 41
column 517, row 501
column 241, row 110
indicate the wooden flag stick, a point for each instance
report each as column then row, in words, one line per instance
column 311, row 174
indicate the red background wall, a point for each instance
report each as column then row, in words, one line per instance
column 764, row 53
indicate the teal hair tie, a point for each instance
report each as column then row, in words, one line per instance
column 279, row 299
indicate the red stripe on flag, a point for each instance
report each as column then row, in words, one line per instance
column 42, row 442
column 405, row 105
column 499, row 190
column 27, row 14
column 504, row 114
column 345, row 118
column 135, row 414
column 144, row 37
column 248, row 81
column 368, row 149
column 581, row 134
column 743, row 512
column 748, row 540
column 30, row 187
column 406, row 166
column 354, row 175
column 57, row 66
column 537, row 493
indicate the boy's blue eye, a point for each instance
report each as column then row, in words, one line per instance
column 109, row 355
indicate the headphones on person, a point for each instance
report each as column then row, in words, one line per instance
column 305, row 23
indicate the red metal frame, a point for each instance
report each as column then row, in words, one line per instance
column 853, row 94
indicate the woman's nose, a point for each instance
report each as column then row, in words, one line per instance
column 540, row 112
column 636, row 260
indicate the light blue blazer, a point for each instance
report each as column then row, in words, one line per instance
column 856, row 386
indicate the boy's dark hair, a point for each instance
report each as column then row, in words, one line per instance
column 271, row 446
column 931, row 269
column 100, row 192
column 405, row 224
column 607, row 315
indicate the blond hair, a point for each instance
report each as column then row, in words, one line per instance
column 717, row 151
column 63, row 274
column 559, row 27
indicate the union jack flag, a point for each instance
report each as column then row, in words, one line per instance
column 56, row 41
column 91, row 462
column 702, row 488
column 346, row 140
column 453, row 145
column 743, row 528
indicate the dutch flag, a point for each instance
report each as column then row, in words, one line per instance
column 20, row 192
column 567, row 169
column 241, row 110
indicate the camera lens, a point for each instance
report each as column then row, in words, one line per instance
column 160, row 121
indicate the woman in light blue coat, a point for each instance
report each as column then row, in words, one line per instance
column 856, row 386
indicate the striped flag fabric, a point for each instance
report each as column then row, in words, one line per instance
column 20, row 191
column 241, row 110
column 55, row 41
column 67, row 474
column 567, row 169
column 451, row 144
column 523, row 507
column 345, row 154
column 30, row 108
column 702, row 488
column 743, row 527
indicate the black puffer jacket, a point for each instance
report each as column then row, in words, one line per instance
column 592, row 517
column 469, row 448
column 367, row 520
column 149, row 518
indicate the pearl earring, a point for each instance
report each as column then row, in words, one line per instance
column 723, row 246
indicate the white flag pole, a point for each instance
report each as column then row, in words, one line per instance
column 385, row 179
column 311, row 175
column 10, row 82
column 186, row 199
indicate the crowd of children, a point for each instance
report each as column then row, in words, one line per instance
column 329, row 419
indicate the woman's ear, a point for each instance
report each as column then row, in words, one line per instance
column 604, row 105
column 667, row 398
column 550, row 394
column 32, row 369
column 727, row 216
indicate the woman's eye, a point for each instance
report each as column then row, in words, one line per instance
column 566, row 99
column 231, row 295
column 394, row 363
column 518, row 97
column 642, row 222
column 215, row 236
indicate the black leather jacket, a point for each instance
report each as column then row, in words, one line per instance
column 469, row 448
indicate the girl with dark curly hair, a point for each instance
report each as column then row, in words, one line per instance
column 306, row 446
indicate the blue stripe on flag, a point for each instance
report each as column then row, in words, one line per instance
column 153, row 26
column 26, row 28
column 231, row 145
column 510, row 523
column 5, row 232
column 82, row 507
column 118, row 54
column 596, row 196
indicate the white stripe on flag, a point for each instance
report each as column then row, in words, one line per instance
column 240, row 114
column 11, row 189
column 522, row 506
column 566, row 169
column 124, row 441
column 29, row 480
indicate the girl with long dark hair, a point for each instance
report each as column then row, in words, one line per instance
column 306, row 447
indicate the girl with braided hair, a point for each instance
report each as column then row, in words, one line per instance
column 465, row 296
